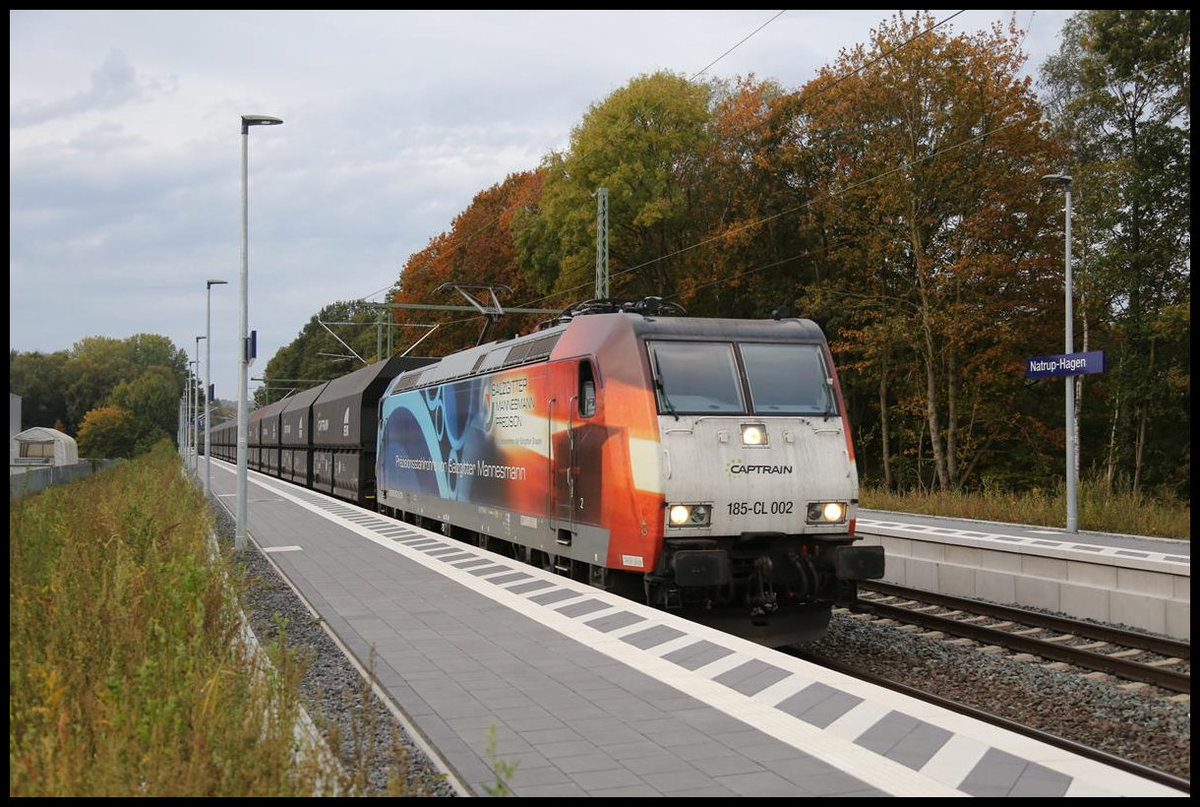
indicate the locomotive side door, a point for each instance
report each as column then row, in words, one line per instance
column 576, row 479
column 562, row 441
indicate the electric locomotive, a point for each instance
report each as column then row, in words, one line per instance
column 698, row 465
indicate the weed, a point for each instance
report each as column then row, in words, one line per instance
column 502, row 771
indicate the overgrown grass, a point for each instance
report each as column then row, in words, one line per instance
column 127, row 671
column 1097, row 507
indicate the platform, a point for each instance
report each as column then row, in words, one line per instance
column 1144, row 583
column 589, row 694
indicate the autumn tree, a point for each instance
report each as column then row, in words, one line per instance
column 757, row 252
column 930, row 146
column 478, row 250
column 108, row 432
column 895, row 199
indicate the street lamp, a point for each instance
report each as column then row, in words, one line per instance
column 196, row 423
column 189, row 393
column 208, row 382
column 183, row 419
column 1064, row 181
column 239, row 538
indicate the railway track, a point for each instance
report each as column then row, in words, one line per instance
column 1128, row 655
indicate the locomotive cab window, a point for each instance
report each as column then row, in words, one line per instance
column 587, row 390
column 699, row 378
column 788, row 379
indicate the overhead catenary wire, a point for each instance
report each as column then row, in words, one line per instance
column 453, row 246
column 726, row 278
column 854, row 186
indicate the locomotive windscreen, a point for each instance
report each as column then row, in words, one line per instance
column 703, row 378
column 697, row 377
column 788, row 379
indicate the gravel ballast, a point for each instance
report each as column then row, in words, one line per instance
column 332, row 688
column 1140, row 723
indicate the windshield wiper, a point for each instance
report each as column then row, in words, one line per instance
column 662, row 392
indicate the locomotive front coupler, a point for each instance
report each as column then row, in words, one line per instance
column 809, row 584
column 759, row 590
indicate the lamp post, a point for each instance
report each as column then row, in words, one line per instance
column 196, row 425
column 1064, row 181
column 191, row 409
column 183, row 420
column 208, row 382
column 239, row 538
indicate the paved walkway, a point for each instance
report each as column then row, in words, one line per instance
column 592, row 695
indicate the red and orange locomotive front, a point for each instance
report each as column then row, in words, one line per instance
column 703, row 465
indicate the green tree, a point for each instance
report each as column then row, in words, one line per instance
column 151, row 400
column 39, row 378
column 96, row 366
column 143, row 374
column 1119, row 94
column 151, row 350
column 644, row 143
column 338, row 339
column 108, row 432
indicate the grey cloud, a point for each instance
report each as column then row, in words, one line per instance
column 114, row 84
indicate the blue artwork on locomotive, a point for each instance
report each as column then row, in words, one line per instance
column 478, row 440
column 425, row 440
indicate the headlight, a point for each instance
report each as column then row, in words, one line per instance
column 826, row 512
column 689, row 515
column 754, row 434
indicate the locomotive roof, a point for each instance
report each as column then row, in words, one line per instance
column 767, row 330
column 537, row 346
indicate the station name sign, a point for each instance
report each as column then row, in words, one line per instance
column 1065, row 364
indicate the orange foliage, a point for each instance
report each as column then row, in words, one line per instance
column 478, row 250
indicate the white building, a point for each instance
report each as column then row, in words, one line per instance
column 42, row 445
column 14, row 415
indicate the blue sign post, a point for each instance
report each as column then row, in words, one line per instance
column 1065, row 364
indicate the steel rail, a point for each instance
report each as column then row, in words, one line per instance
column 1089, row 630
column 1122, row 668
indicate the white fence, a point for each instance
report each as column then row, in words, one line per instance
column 23, row 480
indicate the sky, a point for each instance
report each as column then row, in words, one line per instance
column 125, row 146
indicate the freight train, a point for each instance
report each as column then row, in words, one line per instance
column 698, row 465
